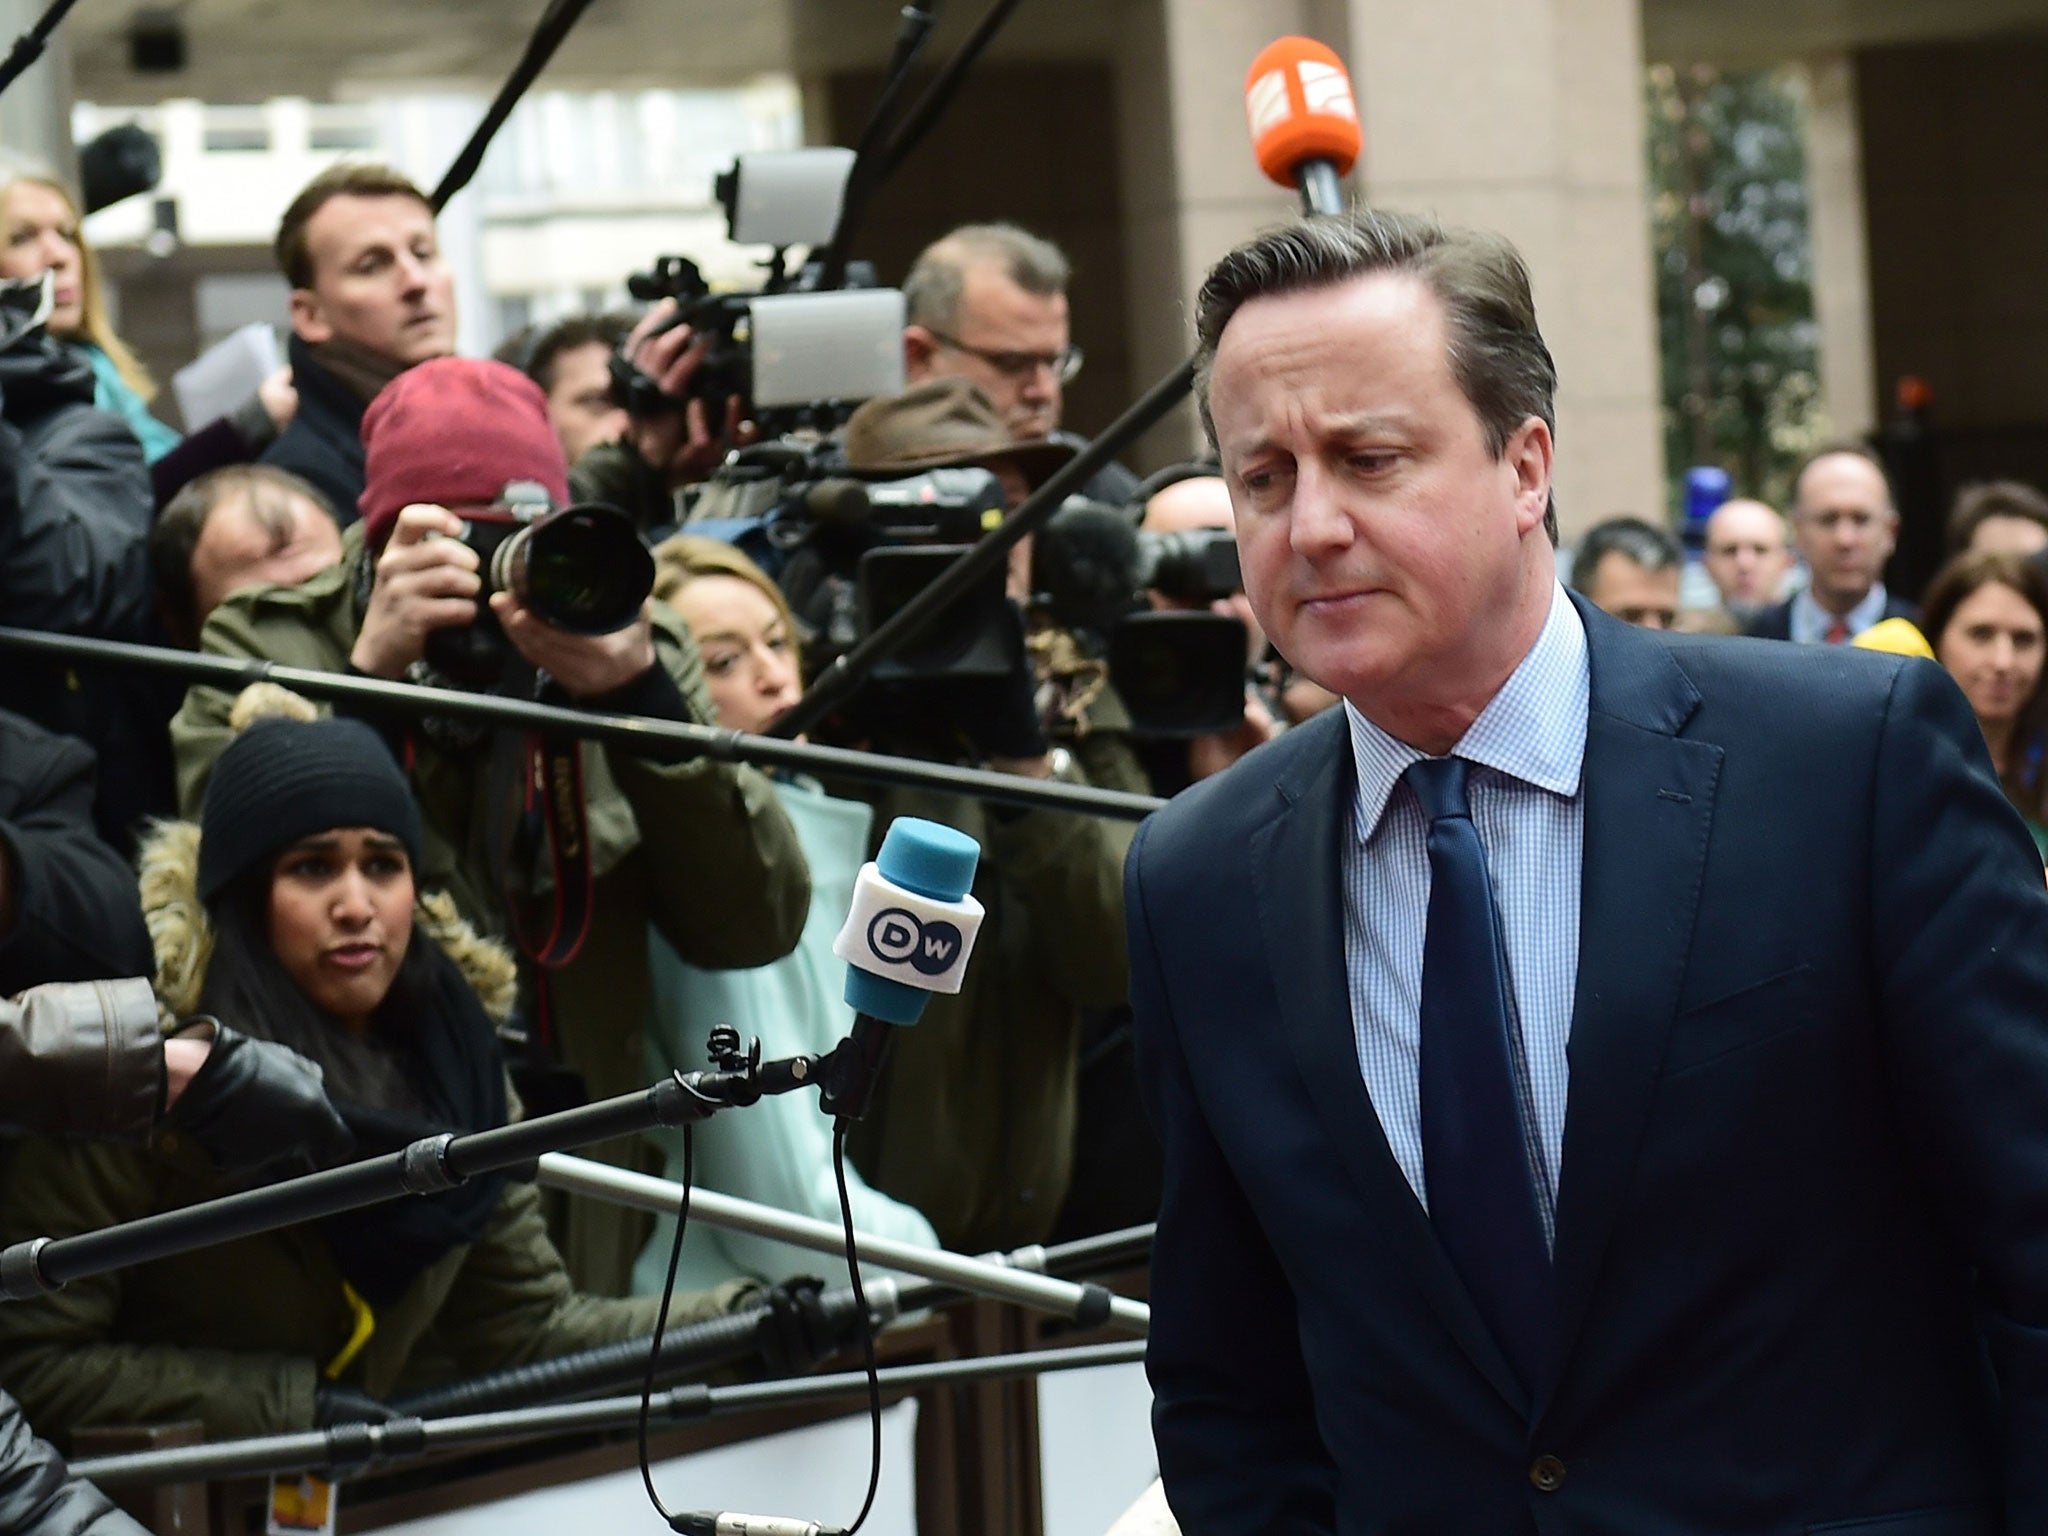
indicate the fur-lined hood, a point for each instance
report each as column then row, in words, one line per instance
column 182, row 935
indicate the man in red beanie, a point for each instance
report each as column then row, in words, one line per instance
column 699, row 849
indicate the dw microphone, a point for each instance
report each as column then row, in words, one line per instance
column 909, row 934
column 1304, row 120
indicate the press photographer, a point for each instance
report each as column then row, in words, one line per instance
column 990, row 1075
column 458, row 453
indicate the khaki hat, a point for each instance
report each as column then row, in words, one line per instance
column 941, row 424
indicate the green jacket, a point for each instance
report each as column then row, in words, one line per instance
column 239, row 1335
column 701, row 850
column 975, row 1117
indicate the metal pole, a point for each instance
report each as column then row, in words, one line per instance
column 353, row 1447
column 41, row 1265
column 984, row 1277
column 658, row 739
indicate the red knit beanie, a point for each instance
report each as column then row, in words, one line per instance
column 455, row 431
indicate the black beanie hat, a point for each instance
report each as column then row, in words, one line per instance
column 281, row 780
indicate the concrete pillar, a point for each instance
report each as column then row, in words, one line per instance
column 1841, row 244
column 1523, row 116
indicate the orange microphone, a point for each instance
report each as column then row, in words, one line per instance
column 1304, row 119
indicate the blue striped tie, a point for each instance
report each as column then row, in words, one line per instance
column 1475, row 1146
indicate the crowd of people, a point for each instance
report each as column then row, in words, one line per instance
column 345, row 928
column 1816, row 576
column 336, row 929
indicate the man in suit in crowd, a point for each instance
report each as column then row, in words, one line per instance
column 1748, row 555
column 1845, row 527
column 1629, row 568
column 1602, row 1075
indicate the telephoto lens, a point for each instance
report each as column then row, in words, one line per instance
column 582, row 569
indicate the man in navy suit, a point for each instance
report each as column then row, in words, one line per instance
column 1845, row 526
column 1603, row 1075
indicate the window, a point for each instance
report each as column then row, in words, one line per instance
column 347, row 130
column 236, row 130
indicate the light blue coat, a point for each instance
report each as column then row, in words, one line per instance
column 777, row 1152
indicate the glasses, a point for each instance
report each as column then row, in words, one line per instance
column 1065, row 364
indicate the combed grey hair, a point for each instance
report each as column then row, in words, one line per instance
column 1496, row 352
column 931, row 293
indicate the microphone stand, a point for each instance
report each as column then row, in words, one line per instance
column 668, row 740
column 41, row 1265
column 353, row 1448
column 1090, row 1305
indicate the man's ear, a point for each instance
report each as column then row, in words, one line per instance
column 1529, row 454
column 308, row 318
column 918, row 346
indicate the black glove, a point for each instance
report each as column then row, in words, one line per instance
column 256, row 1104
column 999, row 715
column 334, row 1405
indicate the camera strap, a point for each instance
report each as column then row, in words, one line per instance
column 555, row 809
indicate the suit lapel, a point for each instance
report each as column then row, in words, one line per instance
column 1297, row 882
column 1649, row 802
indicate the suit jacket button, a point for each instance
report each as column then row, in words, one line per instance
column 1547, row 1473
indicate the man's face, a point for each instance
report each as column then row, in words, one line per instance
column 1845, row 528
column 580, row 399
column 1202, row 502
column 1999, row 534
column 1747, row 554
column 1382, row 542
column 1632, row 594
column 378, row 279
column 1007, row 341
column 238, row 549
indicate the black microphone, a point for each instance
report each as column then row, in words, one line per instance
column 1085, row 565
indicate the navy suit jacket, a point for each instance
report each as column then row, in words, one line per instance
column 1802, row 1245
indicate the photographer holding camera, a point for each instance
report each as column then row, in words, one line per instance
column 974, row 1122
column 456, row 452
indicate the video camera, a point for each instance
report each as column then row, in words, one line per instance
column 1180, row 673
column 795, row 357
column 850, row 553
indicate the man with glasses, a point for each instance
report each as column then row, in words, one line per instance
column 988, row 303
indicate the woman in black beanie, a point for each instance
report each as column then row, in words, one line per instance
column 290, row 912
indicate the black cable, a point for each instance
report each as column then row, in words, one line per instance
column 668, row 1289
column 555, row 25
column 867, row 1337
column 29, row 46
column 917, row 122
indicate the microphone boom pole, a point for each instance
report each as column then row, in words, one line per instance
column 43, row 1264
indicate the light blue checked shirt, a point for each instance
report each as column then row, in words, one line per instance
column 1527, row 747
